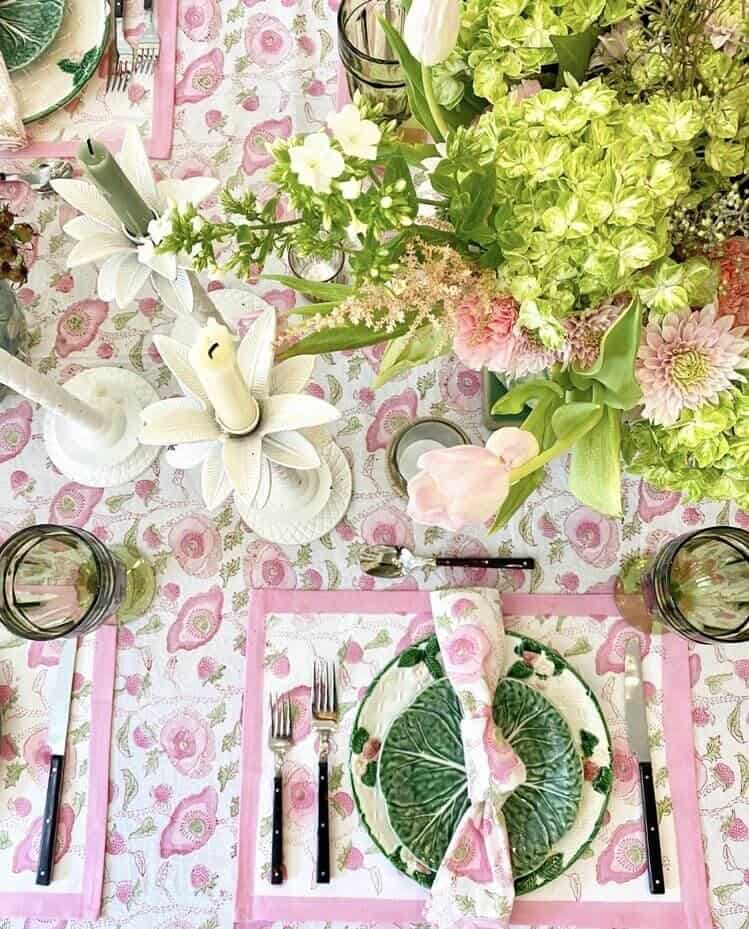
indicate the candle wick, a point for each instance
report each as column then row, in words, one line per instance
column 212, row 349
column 90, row 146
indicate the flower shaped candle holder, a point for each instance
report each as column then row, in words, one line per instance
column 246, row 422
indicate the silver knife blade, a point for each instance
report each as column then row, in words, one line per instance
column 634, row 701
column 59, row 698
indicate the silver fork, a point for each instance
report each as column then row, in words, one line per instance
column 147, row 52
column 279, row 741
column 325, row 722
column 121, row 57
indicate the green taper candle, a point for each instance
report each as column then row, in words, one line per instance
column 114, row 184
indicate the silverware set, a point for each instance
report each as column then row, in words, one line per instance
column 324, row 723
column 124, row 60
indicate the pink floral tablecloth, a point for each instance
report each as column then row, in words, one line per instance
column 250, row 71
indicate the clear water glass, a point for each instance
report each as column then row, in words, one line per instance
column 371, row 65
column 61, row 581
column 697, row 584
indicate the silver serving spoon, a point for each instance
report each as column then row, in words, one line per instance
column 41, row 178
column 395, row 561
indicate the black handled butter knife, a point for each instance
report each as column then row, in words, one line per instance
column 59, row 697
column 637, row 734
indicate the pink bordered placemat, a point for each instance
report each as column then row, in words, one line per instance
column 76, row 888
column 606, row 888
column 149, row 103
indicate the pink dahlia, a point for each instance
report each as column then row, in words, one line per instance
column 529, row 355
column 586, row 330
column 485, row 331
column 688, row 359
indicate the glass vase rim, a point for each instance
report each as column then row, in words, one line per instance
column 357, row 51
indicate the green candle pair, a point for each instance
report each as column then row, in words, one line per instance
column 103, row 169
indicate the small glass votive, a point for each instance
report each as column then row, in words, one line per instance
column 61, row 582
column 371, row 65
column 696, row 584
column 317, row 269
column 412, row 441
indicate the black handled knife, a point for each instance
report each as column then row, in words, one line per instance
column 637, row 734
column 59, row 716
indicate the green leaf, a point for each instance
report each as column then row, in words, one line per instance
column 414, row 85
column 410, row 658
column 131, row 787
column 339, row 339
column 572, row 420
column 595, row 470
column 744, row 772
column 603, row 780
column 358, row 740
column 369, row 778
column 227, row 773
column 615, row 367
column 588, row 742
column 574, row 51
column 334, row 292
column 410, row 350
column 516, row 399
column 146, row 828
column 519, row 670
column 68, row 65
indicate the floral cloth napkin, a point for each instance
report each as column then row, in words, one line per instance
column 477, row 864
column 12, row 132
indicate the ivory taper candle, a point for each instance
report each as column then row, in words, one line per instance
column 214, row 359
column 40, row 389
column 102, row 168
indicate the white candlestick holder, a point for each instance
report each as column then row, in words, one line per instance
column 106, row 452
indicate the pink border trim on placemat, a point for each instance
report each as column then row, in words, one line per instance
column 692, row 912
column 159, row 145
column 42, row 904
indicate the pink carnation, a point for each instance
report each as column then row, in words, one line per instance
column 485, row 331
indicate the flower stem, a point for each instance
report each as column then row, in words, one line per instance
column 434, row 108
column 558, row 448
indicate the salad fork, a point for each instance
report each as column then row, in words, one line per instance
column 147, row 52
column 325, row 722
column 121, row 53
column 279, row 742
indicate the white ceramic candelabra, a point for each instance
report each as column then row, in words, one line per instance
column 253, row 431
column 92, row 423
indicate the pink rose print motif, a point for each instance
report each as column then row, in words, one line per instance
column 465, row 653
column 201, row 79
column 266, row 565
column 421, row 626
column 624, row 858
column 594, row 538
column 196, row 544
column 189, row 743
column 469, row 857
column 15, row 430
column 78, row 326
column 197, row 621
column 267, row 40
column 301, row 712
column 390, row 416
column 506, row 768
column 259, row 140
column 191, row 825
column 460, row 386
column 26, row 855
column 654, row 502
column 300, row 793
column 200, row 20
column 610, row 656
column 624, row 766
column 387, row 525
column 37, row 753
column 44, row 654
column 73, row 504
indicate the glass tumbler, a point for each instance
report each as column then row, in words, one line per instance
column 697, row 585
column 371, row 65
column 61, row 581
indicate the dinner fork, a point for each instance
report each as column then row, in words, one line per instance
column 149, row 46
column 121, row 55
column 325, row 722
column 279, row 742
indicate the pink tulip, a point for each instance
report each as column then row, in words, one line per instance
column 466, row 484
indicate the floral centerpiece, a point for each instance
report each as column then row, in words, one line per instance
column 578, row 225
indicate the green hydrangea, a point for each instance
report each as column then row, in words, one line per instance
column 503, row 41
column 705, row 454
column 585, row 186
